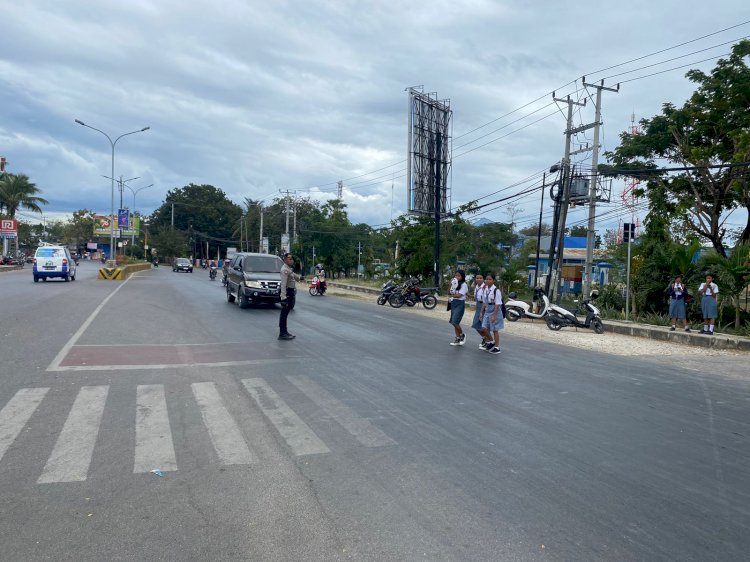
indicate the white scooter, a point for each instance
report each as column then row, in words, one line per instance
column 559, row 317
column 515, row 309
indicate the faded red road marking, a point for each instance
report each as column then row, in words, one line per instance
column 179, row 354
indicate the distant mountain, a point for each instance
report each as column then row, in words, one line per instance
column 481, row 222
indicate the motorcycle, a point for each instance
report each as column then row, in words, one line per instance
column 388, row 289
column 212, row 273
column 515, row 309
column 559, row 317
column 155, row 262
column 317, row 286
column 411, row 294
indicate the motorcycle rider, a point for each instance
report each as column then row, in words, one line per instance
column 321, row 274
column 212, row 270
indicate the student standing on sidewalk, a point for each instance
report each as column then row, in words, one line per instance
column 492, row 318
column 677, row 292
column 708, row 291
column 479, row 288
column 288, row 291
column 458, row 292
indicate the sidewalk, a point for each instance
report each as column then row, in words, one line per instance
column 660, row 333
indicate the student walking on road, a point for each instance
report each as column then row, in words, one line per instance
column 458, row 292
column 288, row 290
column 492, row 318
column 677, row 292
column 478, row 301
column 709, row 308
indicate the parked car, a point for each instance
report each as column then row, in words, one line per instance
column 53, row 261
column 254, row 278
column 182, row 264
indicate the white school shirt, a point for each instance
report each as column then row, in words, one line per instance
column 490, row 296
column 479, row 293
column 678, row 289
column 459, row 293
column 712, row 289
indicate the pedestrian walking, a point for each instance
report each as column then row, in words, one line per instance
column 492, row 318
column 458, row 292
column 476, row 323
column 677, row 293
column 288, row 291
column 708, row 291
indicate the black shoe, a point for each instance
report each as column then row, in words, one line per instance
column 671, row 329
column 286, row 337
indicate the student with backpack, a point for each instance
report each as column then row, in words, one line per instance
column 492, row 316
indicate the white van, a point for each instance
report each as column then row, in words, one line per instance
column 53, row 261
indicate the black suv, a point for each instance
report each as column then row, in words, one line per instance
column 182, row 264
column 254, row 278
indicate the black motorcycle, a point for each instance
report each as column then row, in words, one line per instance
column 388, row 289
column 411, row 294
column 212, row 273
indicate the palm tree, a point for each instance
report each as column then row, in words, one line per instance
column 16, row 190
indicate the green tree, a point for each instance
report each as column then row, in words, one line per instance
column 711, row 128
column 203, row 214
column 732, row 275
column 17, row 191
column 80, row 228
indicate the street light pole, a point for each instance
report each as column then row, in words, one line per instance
column 112, row 249
column 132, row 237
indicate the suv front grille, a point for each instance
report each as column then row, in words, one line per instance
column 269, row 284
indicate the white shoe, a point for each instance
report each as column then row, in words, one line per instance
column 456, row 342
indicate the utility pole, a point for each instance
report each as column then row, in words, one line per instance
column 564, row 194
column 590, row 233
column 294, row 228
column 172, row 216
column 260, row 238
column 436, row 189
column 359, row 256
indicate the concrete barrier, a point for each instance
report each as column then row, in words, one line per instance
column 122, row 272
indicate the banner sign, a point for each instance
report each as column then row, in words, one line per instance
column 102, row 226
column 123, row 218
column 8, row 228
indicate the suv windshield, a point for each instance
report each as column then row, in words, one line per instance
column 182, row 261
column 267, row 264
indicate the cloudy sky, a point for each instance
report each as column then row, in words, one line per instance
column 254, row 97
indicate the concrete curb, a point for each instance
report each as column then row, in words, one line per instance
column 4, row 268
column 661, row 333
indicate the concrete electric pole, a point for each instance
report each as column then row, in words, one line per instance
column 591, row 231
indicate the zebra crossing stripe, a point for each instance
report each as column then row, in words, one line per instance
column 298, row 435
column 366, row 433
column 225, row 435
column 153, row 436
column 71, row 457
column 16, row 413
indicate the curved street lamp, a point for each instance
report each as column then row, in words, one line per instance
column 112, row 249
column 135, row 192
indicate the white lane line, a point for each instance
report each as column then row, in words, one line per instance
column 153, row 436
column 16, row 413
column 168, row 365
column 298, row 435
column 71, row 457
column 226, row 436
column 359, row 427
column 55, row 365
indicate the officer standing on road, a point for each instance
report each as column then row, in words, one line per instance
column 288, row 291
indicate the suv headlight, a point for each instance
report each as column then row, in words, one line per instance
column 254, row 284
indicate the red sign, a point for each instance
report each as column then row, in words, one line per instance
column 8, row 228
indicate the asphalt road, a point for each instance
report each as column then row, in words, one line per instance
column 366, row 438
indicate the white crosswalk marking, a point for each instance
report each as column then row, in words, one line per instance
column 71, row 457
column 153, row 436
column 360, row 428
column 225, row 435
column 16, row 413
column 298, row 435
